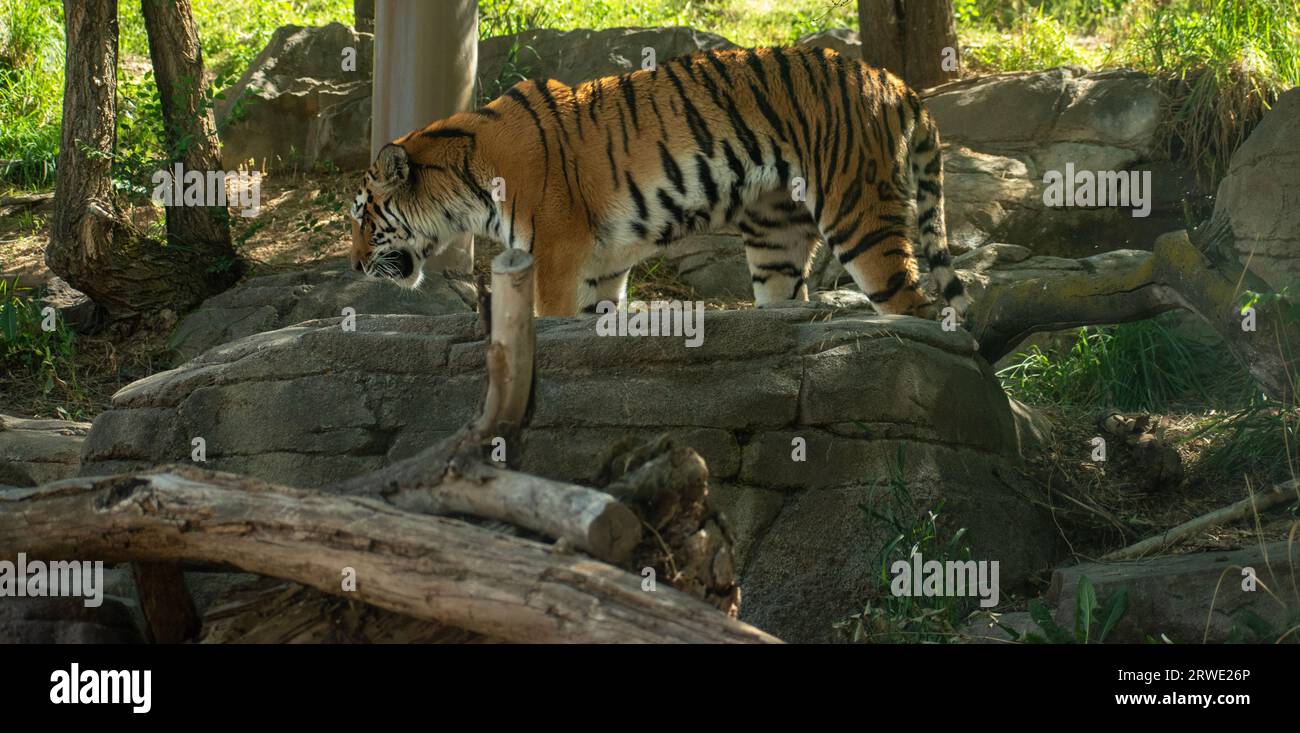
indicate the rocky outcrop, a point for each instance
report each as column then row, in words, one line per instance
column 841, row 40
column 1260, row 197
column 578, row 55
column 275, row 301
column 66, row 621
column 1190, row 597
column 33, row 452
column 996, row 162
column 296, row 105
column 313, row 403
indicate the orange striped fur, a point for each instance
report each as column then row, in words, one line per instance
column 594, row 179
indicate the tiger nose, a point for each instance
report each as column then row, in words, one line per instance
column 358, row 261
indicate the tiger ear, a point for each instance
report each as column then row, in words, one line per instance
column 393, row 165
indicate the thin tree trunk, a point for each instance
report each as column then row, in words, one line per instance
column 189, row 129
column 364, row 13
column 910, row 38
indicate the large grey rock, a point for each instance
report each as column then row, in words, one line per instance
column 275, row 301
column 312, row 403
column 33, row 452
column 276, row 113
column 578, row 55
column 1260, row 197
column 1187, row 597
column 66, row 621
column 295, row 105
column 995, row 162
column 842, row 40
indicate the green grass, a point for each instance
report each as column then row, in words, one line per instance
column 743, row 22
column 30, row 351
column 31, row 82
column 1146, row 366
column 888, row 618
column 1225, row 62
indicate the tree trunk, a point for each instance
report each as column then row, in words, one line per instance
column 91, row 246
column 190, row 132
column 364, row 13
column 442, row 39
column 910, row 39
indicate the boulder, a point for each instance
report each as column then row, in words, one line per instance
column 1190, row 597
column 578, row 55
column 994, row 163
column 274, row 115
column 312, row 403
column 33, row 452
column 841, row 40
column 66, row 620
column 274, row 301
column 295, row 105
column 1260, row 196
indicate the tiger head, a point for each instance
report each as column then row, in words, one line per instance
column 417, row 198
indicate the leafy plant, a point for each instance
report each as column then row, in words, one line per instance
column 913, row 618
column 1144, row 365
column 27, row 349
column 1090, row 627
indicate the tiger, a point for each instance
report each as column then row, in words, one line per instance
column 791, row 146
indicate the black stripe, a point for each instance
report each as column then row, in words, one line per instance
column 671, row 168
column 447, row 132
column 896, row 282
column 867, row 242
column 783, row 64
column 597, row 95
column 773, row 118
column 613, row 167
column 667, row 202
column 756, row 64
column 622, row 126
column 699, row 130
column 642, row 211
column 953, row 289
column 706, row 180
column 550, row 102
column 518, row 96
column 654, row 107
column 629, row 95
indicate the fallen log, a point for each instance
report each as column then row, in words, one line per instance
column 1231, row 513
column 434, row 568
